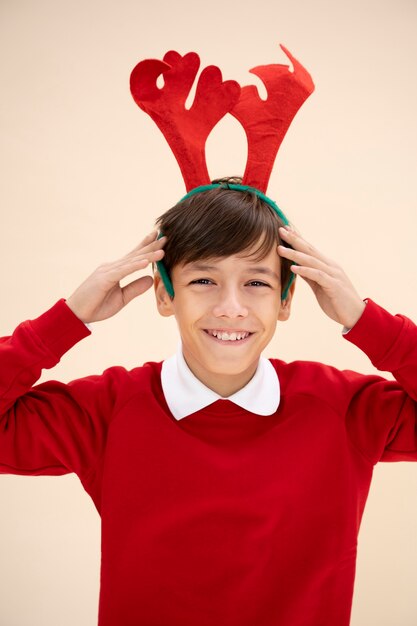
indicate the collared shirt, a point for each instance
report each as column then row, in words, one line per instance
column 186, row 394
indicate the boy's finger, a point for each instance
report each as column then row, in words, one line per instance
column 148, row 239
column 150, row 236
column 313, row 276
column 136, row 288
column 148, row 244
column 151, row 255
column 131, row 264
column 115, row 272
column 307, row 260
column 299, row 243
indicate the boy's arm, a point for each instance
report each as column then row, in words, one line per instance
column 54, row 428
column 32, row 421
column 381, row 415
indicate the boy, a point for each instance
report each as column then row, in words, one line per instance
column 231, row 487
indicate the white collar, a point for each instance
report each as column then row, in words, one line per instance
column 186, row 394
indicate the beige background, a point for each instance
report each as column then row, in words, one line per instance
column 84, row 174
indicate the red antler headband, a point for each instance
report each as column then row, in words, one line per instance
column 186, row 130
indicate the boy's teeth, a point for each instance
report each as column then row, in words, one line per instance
column 228, row 336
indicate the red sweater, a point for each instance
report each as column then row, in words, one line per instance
column 224, row 518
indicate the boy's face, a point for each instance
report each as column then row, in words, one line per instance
column 230, row 297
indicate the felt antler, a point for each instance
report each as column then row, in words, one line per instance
column 266, row 122
column 186, row 131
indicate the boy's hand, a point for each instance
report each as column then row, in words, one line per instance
column 334, row 292
column 101, row 296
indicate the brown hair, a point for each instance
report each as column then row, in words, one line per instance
column 220, row 222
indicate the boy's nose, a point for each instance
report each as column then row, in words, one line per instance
column 230, row 304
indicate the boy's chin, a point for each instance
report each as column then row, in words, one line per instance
column 229, row 366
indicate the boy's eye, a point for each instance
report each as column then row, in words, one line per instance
column 258, row 283
column 207, row 281
column 200, row 281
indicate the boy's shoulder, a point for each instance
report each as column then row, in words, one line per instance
column 324, row 382
column 139, row 378
column 119, row 384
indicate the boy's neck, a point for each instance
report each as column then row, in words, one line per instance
column 223, row 384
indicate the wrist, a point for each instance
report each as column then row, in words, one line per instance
column 76, row 310
column 354, row 316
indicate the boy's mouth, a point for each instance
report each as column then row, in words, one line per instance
column 234, row 336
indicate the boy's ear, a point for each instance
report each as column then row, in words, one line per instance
column 285, row 309
column 163, row 300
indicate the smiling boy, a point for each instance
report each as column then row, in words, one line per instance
column 230, row 486
column 228, row 281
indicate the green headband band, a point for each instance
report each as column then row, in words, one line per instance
column 160, row 265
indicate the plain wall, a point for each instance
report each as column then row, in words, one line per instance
column 84, row 173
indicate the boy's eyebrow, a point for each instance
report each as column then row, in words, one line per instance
column 192, row 267
column 201, row 267
column 264, row 270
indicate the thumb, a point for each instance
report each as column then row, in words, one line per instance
column 136, row 288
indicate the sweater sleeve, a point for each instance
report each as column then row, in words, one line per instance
column 51, row 428
column 382, row 414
